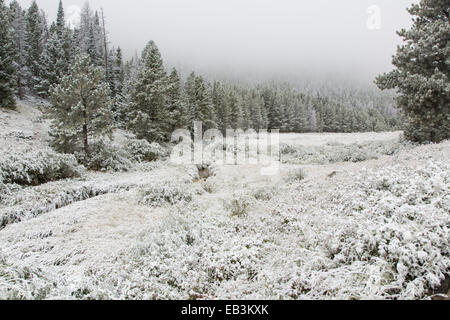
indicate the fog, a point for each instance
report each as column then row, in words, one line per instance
column 257, row 38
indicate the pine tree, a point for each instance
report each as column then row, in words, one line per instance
column 109, row 72
column 68, row 45
column 199, row 102
column 60, row 21
column 53, row 65
column 220, row 106
column 80, row 109
column 34, row 36
column 235, row 110
column 148, row 110
column 422, row 72
column 18, row 25
column 83, row 33
column 92, row 48
column 273, row 106
column 118, row 72
column 178, row 114
column 124, row 100
column 7, row 58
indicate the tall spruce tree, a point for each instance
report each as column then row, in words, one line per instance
column 148, row 113
column 80, row 109
column 199, row 102
column 422, row 72
column 92, row 47
column 52, row 64
column 221, row 107
column 18, row 25
column 7, row 58
column 235, row 119
column 124, row 100
column 178, row 115
column 118, row 72
column 60, row 21
column 34, row 40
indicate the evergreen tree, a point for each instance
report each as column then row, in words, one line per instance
column 221, row 107
column 60, row 21
column 422, row 72
column 124, row 100
column 80, row 109
column 235, row 110
column 199, row 102
column 178, row 115
column 7, row 58
column 92, row 48
column 34, row 38
column 53, row 65
column 18, row 24
column 68, row 45
column 118, row 73
column 273, row 106
column 148, row 111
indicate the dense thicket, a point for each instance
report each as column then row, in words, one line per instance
column 151, row 101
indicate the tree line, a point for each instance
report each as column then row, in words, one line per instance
column 93, row 90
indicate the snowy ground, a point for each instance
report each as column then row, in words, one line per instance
column 376, row 229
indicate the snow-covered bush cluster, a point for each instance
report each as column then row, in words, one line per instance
column 106, row 156
column 238, row 205
column 31, row 166
column 142, row 150
column 387, row 234
column 166, row 194
column 336, row 152
column 24, row 203
column 296, row 175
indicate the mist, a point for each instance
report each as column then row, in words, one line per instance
column 256, row 38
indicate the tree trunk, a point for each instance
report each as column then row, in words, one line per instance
column 105, row 43
column 86, row 139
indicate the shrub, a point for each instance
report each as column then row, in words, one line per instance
column 33, row 167
column 296, row 175
column 104, row 157
column 238, row 206
column 334, row 153
column 157, row 196
column 208, row 186
column 142, row 150
column 264, row 193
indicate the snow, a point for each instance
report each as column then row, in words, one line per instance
column 373, row 229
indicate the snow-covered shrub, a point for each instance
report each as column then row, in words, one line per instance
column 106, row 157
column 265, row 193
column 4, row 188
column 209, row 186
column 29, row 166
column 238, row 206
column 296, row 175
column 142, row 150
column 19, row 134
column 334, row 153
column 390, row 228
column 22, row 283
column 166, row 194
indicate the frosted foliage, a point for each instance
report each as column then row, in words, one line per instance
column 373, row 230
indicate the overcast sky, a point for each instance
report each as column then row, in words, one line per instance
column 256, row 36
